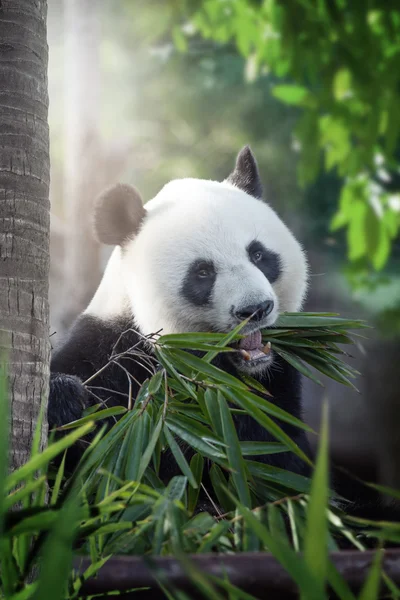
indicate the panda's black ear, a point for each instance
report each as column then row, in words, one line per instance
column 118, row 214
column 245, row 175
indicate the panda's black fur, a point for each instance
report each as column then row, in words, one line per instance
column 89, row 346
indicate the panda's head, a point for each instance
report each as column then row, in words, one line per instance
column 201, row 256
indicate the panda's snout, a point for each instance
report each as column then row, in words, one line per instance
column 255, row 312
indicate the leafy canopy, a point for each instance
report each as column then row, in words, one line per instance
column 342, row 61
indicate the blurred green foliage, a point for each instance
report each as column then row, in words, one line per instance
column 190, row 113
column 339, row 62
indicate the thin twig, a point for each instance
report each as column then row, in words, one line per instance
column 215, row 507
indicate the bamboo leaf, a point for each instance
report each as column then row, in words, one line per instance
column 155, row 382
column 219, row 483
column 190, row 436
column 179, row 457
column 97, row 416
column 196, row 467
column 211, row 400
column 307, row 320
column 261, row 448
column 290, row 561
column 150, row 448
column 57, row 555
column 297, row 364
column 292, row 481
column 266, row 422
column 135, row 448
column 4, row 434
column 58, row 481
column 370, row 589
column 40, row 460
column 235, row 459
column 268, row 407
column 214, row 535
column 316, row 536
column 209, row 370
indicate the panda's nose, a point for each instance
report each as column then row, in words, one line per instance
column 256, row 312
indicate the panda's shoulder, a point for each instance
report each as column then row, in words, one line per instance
column 91, row 341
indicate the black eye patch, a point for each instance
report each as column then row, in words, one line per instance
column 267, row 261
column 199, row 282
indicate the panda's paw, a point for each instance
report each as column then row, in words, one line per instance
column 68, row 399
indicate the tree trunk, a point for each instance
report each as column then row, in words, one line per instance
column 83, row 175
column 24, row 215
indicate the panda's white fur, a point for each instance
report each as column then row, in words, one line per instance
column 216, row 221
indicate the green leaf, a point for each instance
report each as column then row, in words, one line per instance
column 179, row 457
column 97, row 416
column 291, row 94
column 58, row 481
column 164, row 359
column 155, row 382
column 40, row 460
column 290, row 480
column 4, row 425
column 370, row 590
column 316, row 536
column 214, row 535
column 226, row 339
column 150, row 448
column 26, row 593
column 290, row 561
column 235, row 459
column 176, row 488
column 261, row 448
column 310, row 320
column 356, row 238
column 206, row 369
column 338, row 583
column 264, row 420
column 179, row 39
column 298, row 365
column 196, row 467
column 180, row 339
column 342, row 84
column 268, row 407
column 135, row 448
column 26, row 490
column 57, row 555
column 211, row 400
column 189, row 435
column 219, row 483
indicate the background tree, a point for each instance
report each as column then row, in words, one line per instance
column 89, row 164
column 82, row 150
column 24, row 215
column 339, row 64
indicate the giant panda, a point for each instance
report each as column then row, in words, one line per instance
column 201, row 256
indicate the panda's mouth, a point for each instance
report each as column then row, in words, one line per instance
column 252, row 350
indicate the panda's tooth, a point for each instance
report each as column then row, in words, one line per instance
column 245, row 354
column 267, row 348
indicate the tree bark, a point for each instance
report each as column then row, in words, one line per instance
column 24, row 216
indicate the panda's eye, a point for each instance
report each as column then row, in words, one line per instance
column 257, row 256
column 204, row 271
